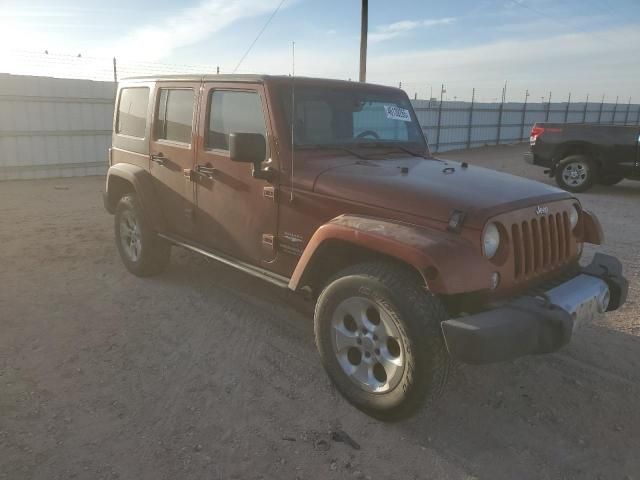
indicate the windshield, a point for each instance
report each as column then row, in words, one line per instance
column 330, row 116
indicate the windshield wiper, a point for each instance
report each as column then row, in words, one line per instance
column 353, row 152
column 409, row 151
column 334, row 147
column 399, row 147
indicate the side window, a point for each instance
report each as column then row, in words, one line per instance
column 233, row 112
column 132, row 111
column 174, row 115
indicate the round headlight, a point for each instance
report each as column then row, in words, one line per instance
column 490, row 240
column 574, row 216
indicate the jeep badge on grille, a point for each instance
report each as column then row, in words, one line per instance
column 540, row 210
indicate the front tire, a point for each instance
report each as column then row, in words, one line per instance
column 576, row 173
column 378, row 334
column 142, row 251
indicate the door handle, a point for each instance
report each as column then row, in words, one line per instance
column 159, row 158
column 206, row 170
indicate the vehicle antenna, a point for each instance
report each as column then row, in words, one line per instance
column 293, row 111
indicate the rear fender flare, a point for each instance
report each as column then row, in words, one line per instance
column 142, row 183
column 447, row 262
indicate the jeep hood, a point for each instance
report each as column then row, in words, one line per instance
column 433, row 189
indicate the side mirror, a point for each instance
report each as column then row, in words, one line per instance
column 247, row 147
column 250, row 148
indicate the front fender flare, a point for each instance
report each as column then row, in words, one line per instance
column 142, row 182
column 591, row 229
column 447, row 262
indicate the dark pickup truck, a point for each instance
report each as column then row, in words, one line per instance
column 580, row 155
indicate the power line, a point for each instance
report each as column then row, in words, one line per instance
column 264, row 27
column 59, row 57
column 558, row 21
column 95, row 68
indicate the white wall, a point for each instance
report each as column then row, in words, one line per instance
column 53, row 127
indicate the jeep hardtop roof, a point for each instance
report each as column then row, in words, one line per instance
column 204, row 76
column 249, row 78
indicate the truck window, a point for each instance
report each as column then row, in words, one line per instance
column 132, row 112
column 175, row 115
column 233, row 112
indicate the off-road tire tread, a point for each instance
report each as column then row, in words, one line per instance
column 423, row 312
column 156, row 251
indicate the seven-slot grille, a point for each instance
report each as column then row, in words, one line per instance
column 541, row 244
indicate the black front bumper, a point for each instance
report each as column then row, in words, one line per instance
column 527, row 325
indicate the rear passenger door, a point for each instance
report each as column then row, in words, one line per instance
column 172, row 153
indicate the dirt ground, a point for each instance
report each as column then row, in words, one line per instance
column 206, row 373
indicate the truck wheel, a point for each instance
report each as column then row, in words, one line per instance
column 378, row 333
column 142, row 251
column 576, row 173
column 610, row 180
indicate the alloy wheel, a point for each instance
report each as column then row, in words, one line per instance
column 575, row 174
column 130, row 235
column 368, row 345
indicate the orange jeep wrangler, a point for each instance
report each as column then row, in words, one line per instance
column 328, row 188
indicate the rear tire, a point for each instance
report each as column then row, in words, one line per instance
column 576, row 173
column 142, row 251
column 610, row 180
column 401, row 361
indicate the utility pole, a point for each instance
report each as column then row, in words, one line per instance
column 115, row 71
column 364, row 25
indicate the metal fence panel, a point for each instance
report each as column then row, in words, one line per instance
column 53, row 127
column 451, row 126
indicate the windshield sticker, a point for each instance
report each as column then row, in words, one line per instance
column 397, row 113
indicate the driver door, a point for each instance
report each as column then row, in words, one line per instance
column 236, row 213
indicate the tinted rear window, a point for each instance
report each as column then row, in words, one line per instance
column 132, row 111
column 175, row 115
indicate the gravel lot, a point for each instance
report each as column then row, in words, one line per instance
column 204, row 372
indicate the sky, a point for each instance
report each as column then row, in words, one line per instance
column 578, row 46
